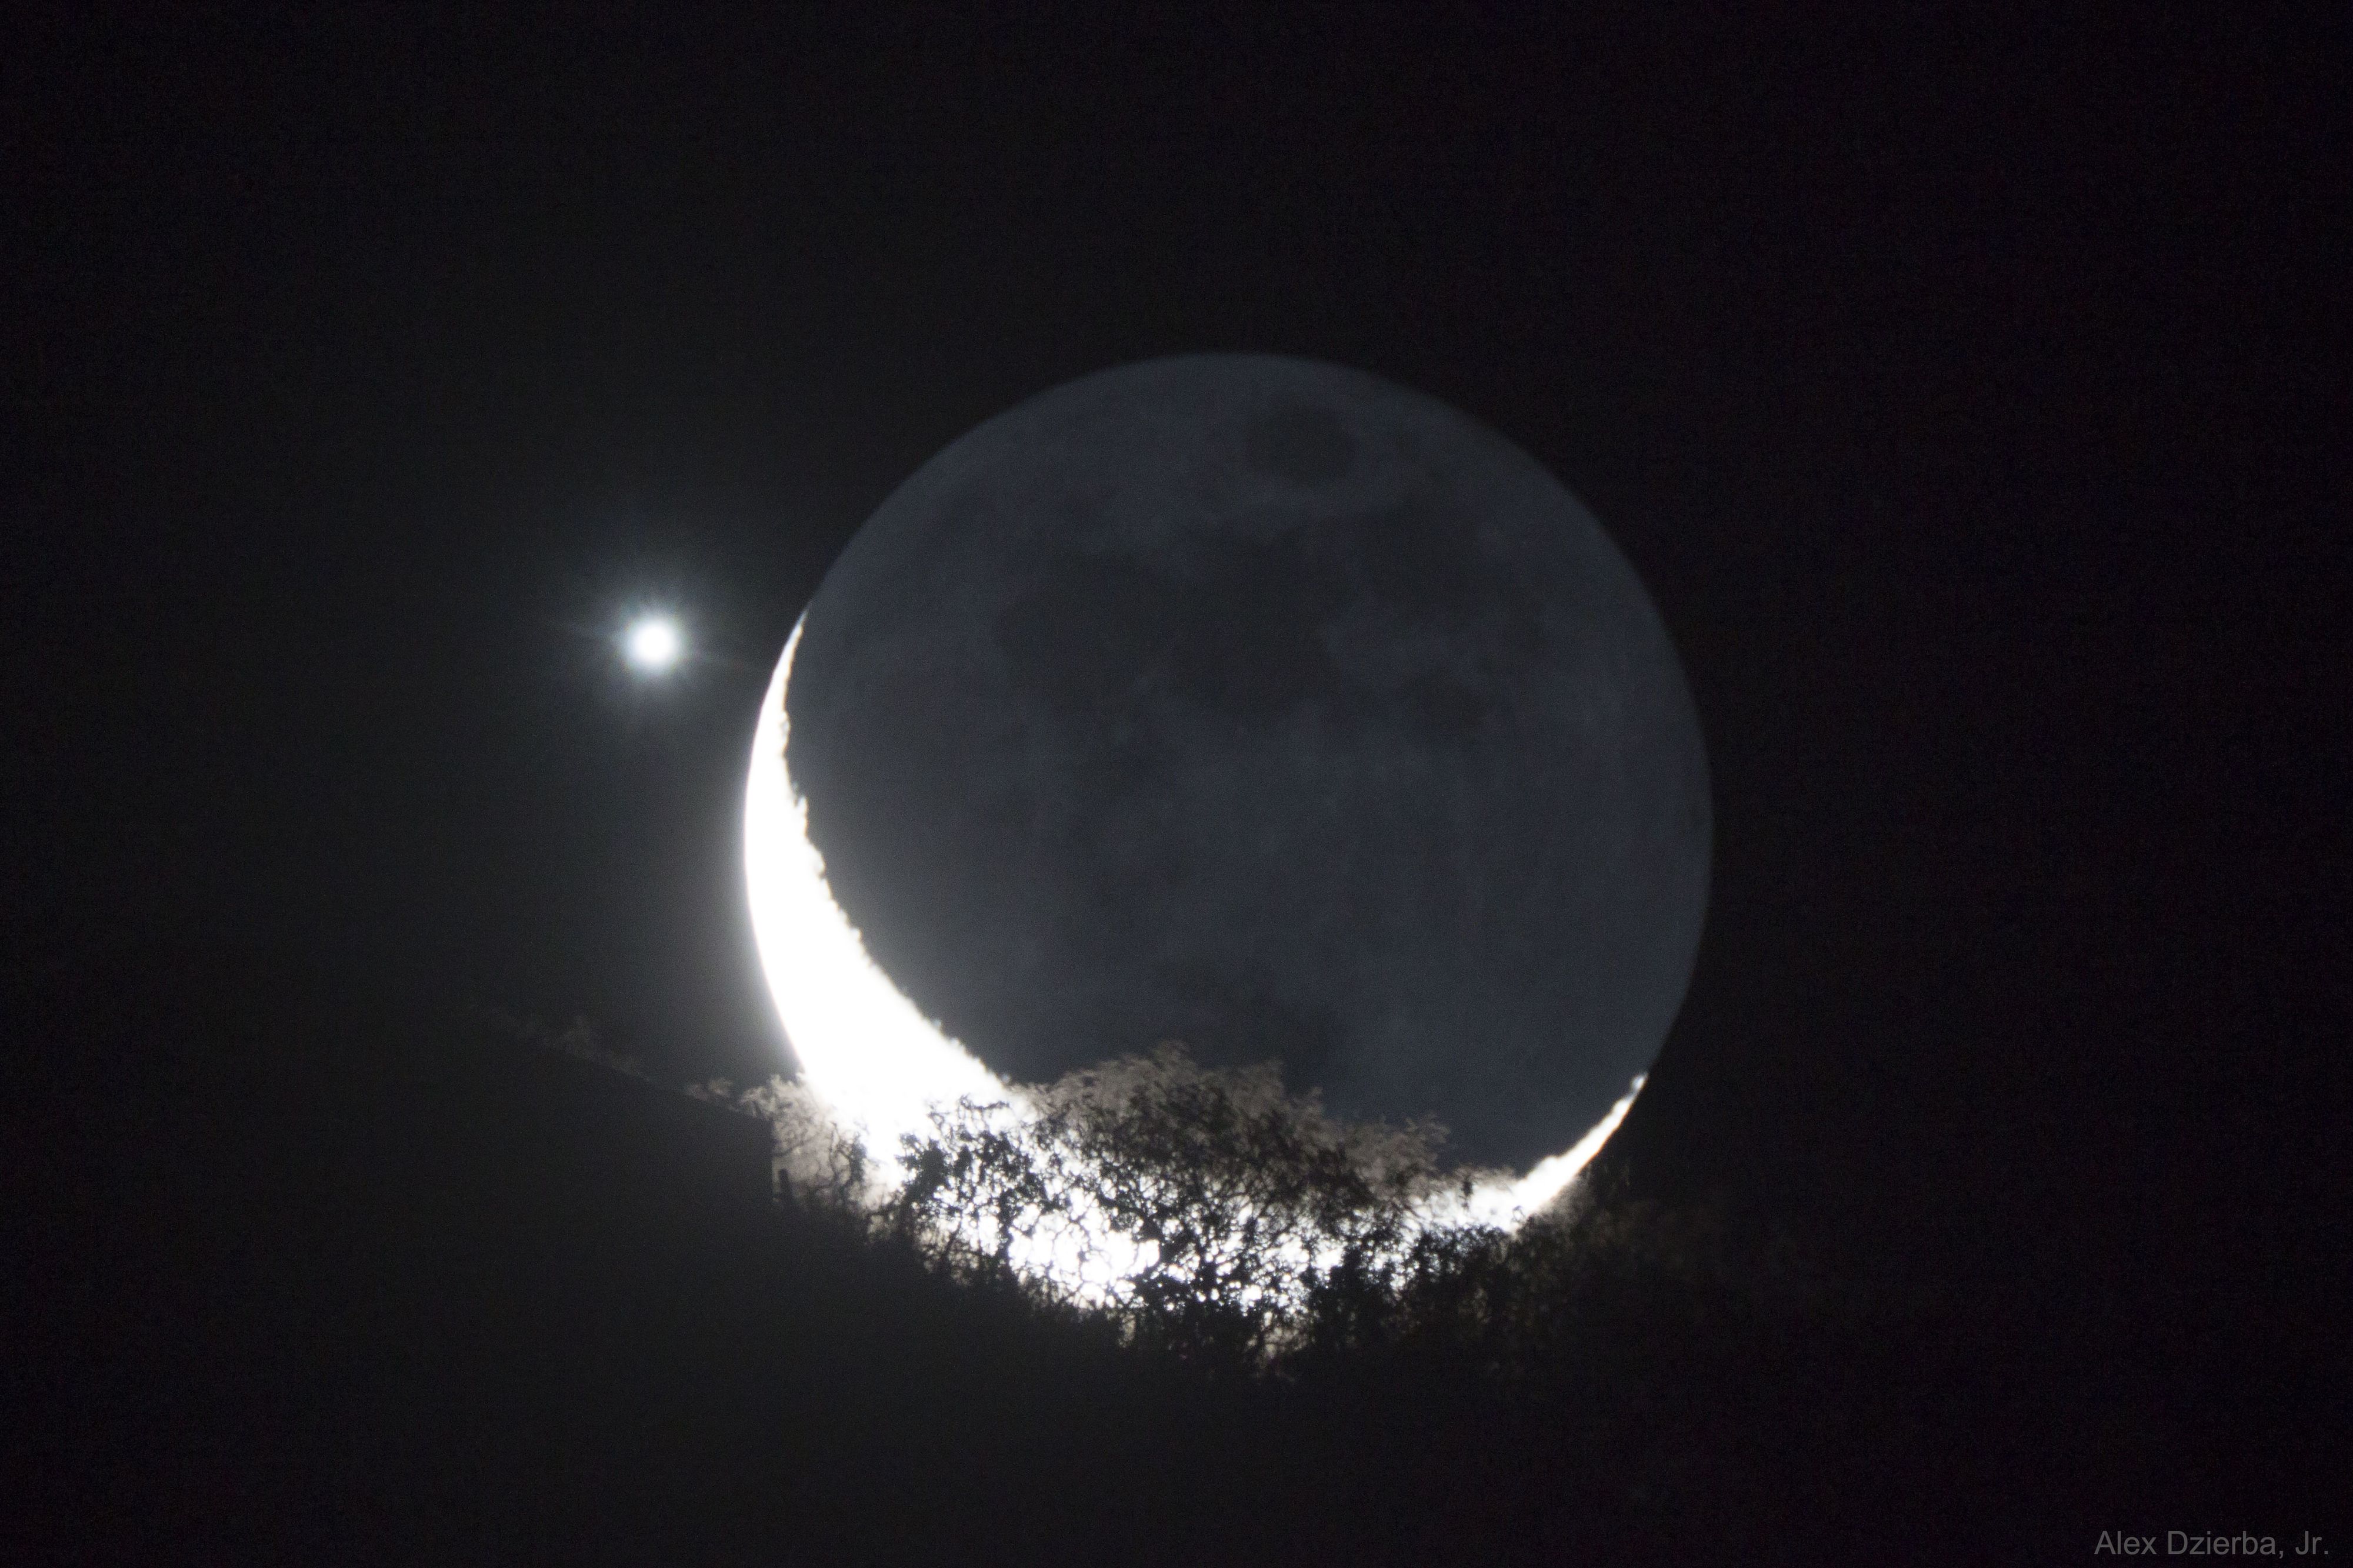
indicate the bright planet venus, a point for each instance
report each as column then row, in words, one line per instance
column 653, row 644
column 1246, row 701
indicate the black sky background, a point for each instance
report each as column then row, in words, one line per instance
column 1967, row 389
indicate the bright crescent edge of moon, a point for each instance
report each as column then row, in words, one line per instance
column 870, row 1054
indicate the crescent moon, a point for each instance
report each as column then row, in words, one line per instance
column 869, row 1052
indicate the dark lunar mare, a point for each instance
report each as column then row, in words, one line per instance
column 1267, row 705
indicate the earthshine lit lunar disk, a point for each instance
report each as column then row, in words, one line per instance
column 1248, row 701
column 875, row 1059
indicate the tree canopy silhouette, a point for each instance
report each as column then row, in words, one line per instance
column 1212, row 1217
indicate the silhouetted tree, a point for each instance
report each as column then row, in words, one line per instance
column 819, row 1167
column 1213, row 1213
column 1208, row 1215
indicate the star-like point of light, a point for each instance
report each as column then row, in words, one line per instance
column 653, row 644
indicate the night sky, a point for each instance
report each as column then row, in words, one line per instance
column 1969, row 394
